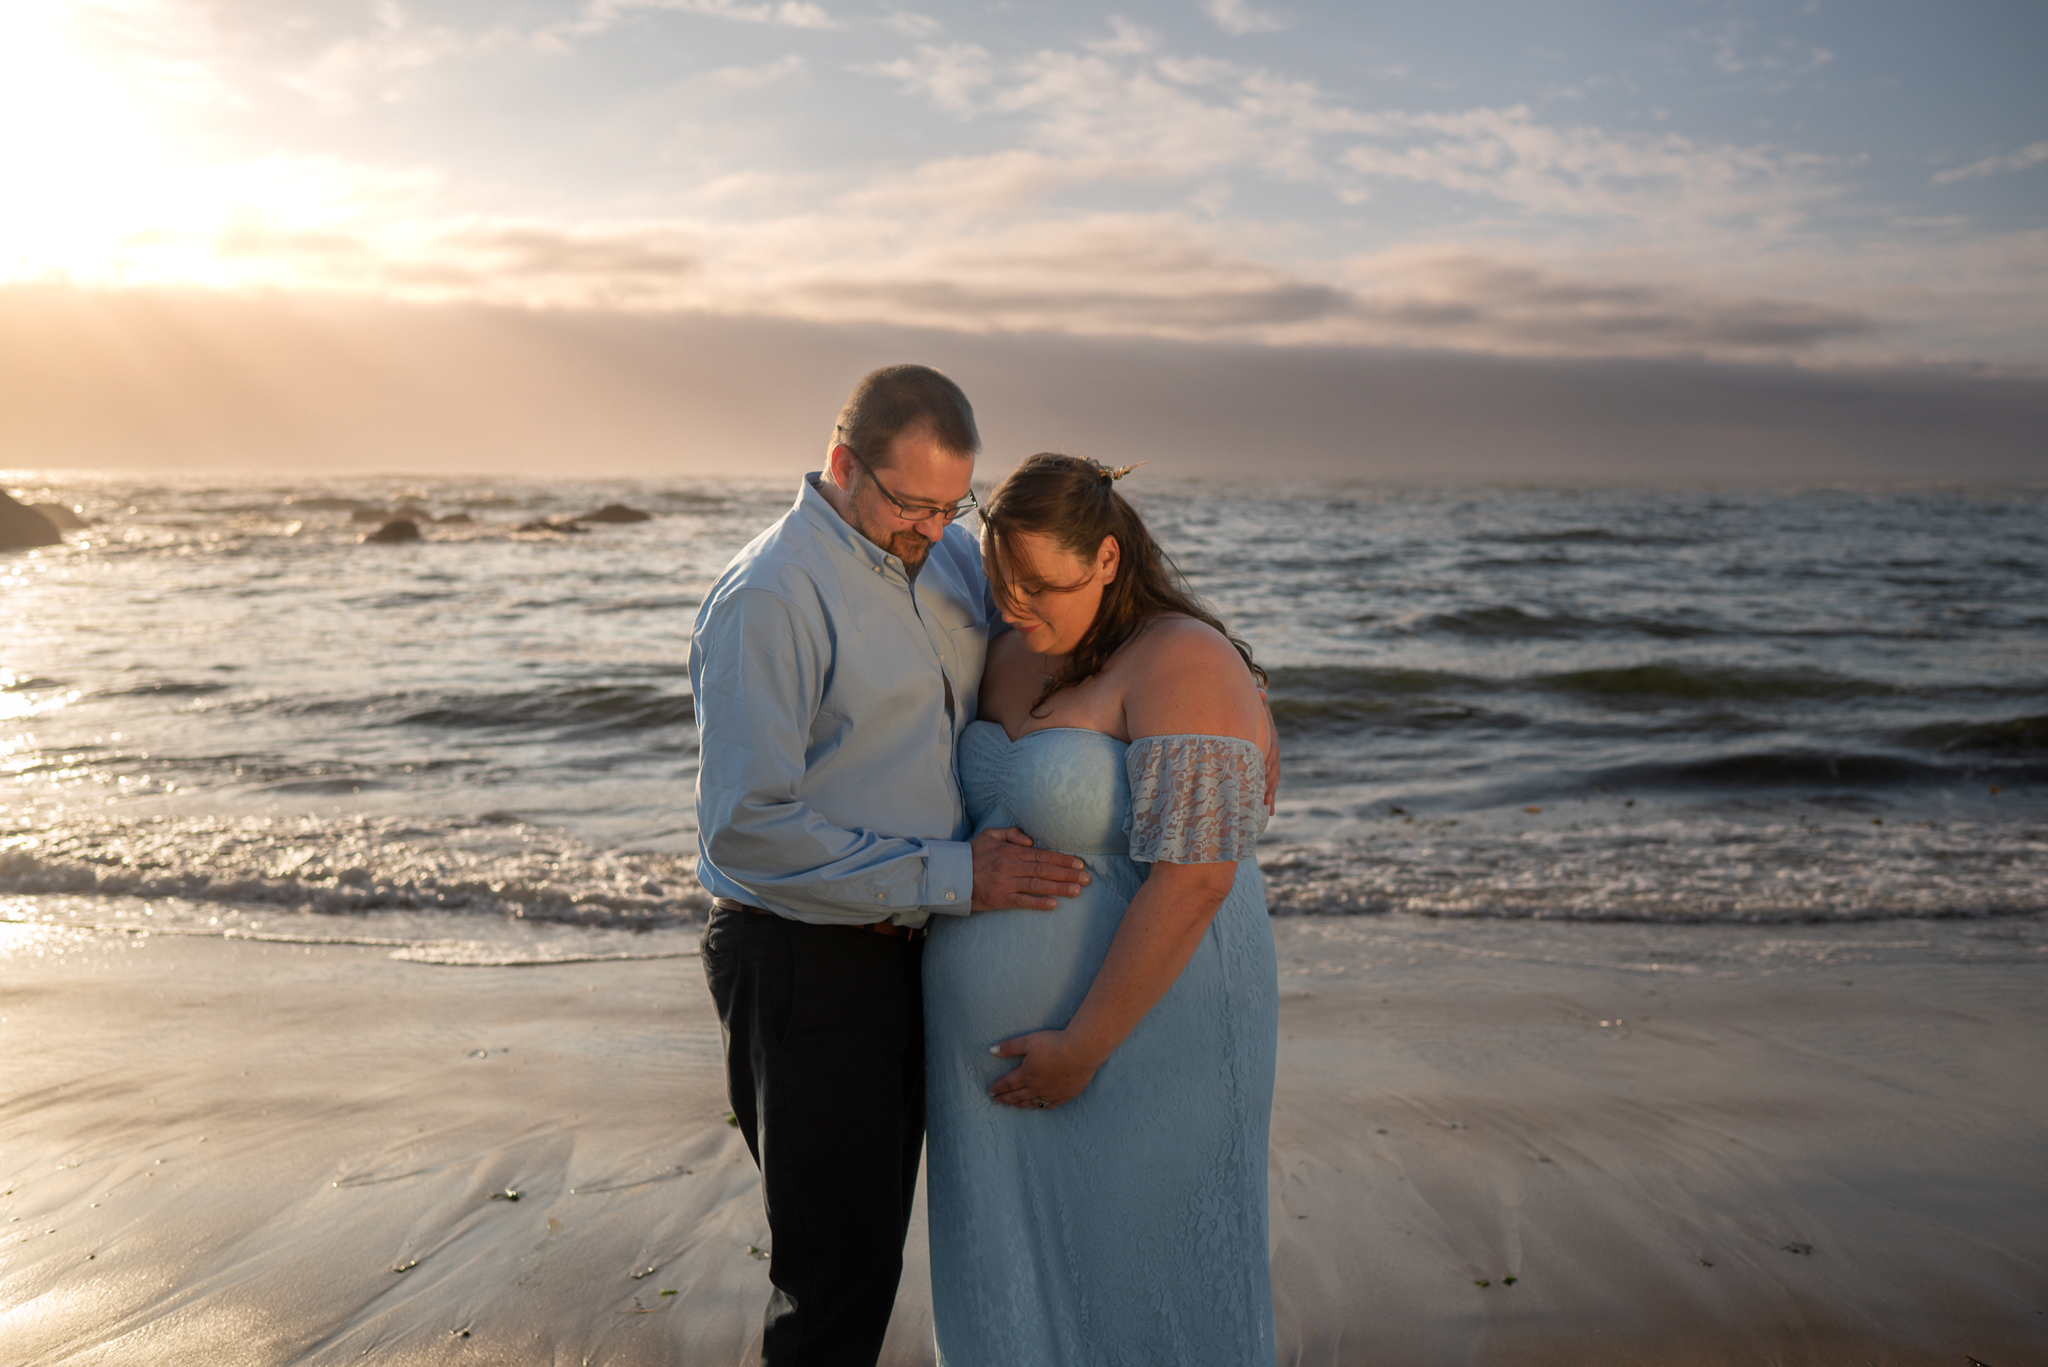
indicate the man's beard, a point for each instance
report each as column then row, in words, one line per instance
column 906, row 544
column 910, row 547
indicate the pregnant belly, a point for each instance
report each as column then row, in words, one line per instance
column 996, row 974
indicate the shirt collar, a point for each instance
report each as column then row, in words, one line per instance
column 812, row 507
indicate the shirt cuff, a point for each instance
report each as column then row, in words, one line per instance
column 949, row 877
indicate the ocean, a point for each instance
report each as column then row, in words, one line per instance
column 222, row 713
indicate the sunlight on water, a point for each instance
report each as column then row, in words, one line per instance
column 34, row 939
column 21, row 706
column 1595, row 704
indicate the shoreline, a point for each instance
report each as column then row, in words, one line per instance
column 220, row 1149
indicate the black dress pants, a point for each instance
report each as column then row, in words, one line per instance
column 824, row 1061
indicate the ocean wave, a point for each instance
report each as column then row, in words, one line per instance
column 687, row 602
column 324, row 503
column 587, row 707
column 694, row 500
column 1527, row 562
column 1315, row 697
column 1693, row 683
column 1304, row 681
column 1826, row 770
column 2014, row 736
column 412, row 937
column 1589, row 536
column 1306, row 697
column 1698, row 699
column 168, row 688
column 1776, row 769
column 1610, row 864
column 472, row 866
column 501, row 891
column 11, row 682
column 1501, row 622
column 579, row 709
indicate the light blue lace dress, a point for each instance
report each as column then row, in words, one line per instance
column 1128, row 1226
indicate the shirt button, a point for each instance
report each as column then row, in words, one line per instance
column 878, row 569
column 878, row 897
column 949, row 897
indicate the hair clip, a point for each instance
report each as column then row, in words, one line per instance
column 1111, row 474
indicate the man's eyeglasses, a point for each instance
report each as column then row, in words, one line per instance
column 916, row 512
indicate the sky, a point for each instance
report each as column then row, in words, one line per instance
column 1468, row 219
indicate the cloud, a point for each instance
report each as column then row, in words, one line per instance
column 1120, row 188
column 1108, row 274
column 1120, row 99
column 1587, row 172
column 948, row 76
column 1125, row 38
column 1154, row 275
column 1238, row 17
column 201, row 52
column 1178, row 116
column 277, row 383
column 1195, row 117
column 600, row 15
column 739, row 79
column 760, row 190
column 161, row 47
column 1502, row 304
column 2024, row 159
column 1786, row 57
column 974, row 244
column 950, row 190
column 621, row 266
column 361, row 65
column 911, row 24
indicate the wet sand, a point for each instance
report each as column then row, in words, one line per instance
column 1684, row 1146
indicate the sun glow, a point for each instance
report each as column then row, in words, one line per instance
column 80, row 166
column 96, row 189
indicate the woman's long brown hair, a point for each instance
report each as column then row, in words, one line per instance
column 1074, row 501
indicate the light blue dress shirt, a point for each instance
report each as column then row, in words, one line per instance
column 826, row 787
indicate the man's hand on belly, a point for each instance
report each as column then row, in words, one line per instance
column 1010, row 873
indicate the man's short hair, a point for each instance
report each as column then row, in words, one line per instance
column 896, row 397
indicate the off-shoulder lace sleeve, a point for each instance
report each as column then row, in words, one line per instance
column 1195, row 799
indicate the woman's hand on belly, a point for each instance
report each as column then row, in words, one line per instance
column 1057, row 1067
column 1155, row 938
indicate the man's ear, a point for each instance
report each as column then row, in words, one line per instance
column 840, row 465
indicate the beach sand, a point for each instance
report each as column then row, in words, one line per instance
column 1683, row 1145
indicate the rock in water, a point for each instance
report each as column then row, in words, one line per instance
column 62, row 518
column 616, row 512
column 398, row 530
column 22, row 527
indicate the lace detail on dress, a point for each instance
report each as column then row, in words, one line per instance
column 1195, row 799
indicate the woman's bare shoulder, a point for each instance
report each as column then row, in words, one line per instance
column 1172, row 641
column 1186, row 676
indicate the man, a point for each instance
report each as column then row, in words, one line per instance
column 834, row 664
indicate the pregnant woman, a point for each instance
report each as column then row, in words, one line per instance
column 1100, row 1077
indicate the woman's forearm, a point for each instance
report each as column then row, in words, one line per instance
column 1159, row 933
